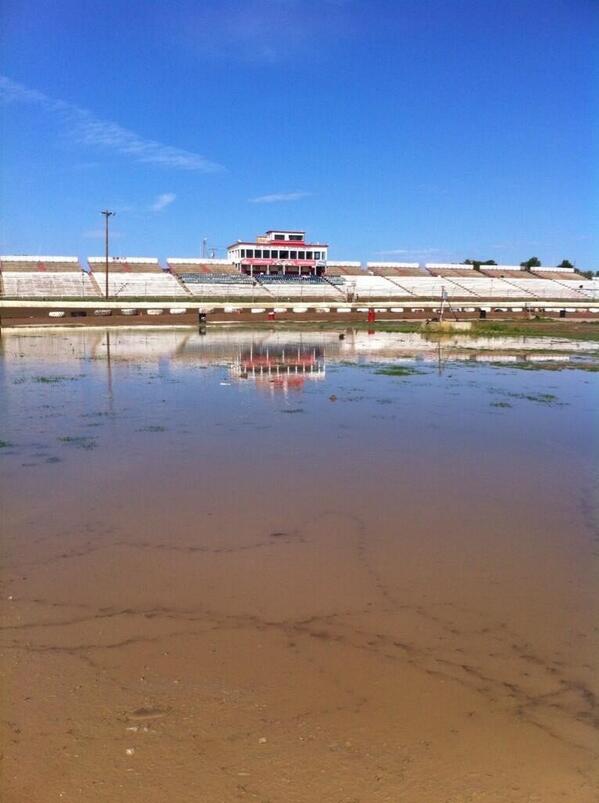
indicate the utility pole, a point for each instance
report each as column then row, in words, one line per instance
column 204, row 241
column 107, row 213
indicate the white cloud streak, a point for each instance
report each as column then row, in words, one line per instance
column 87, row 129
column 408, row 251
column 278, row 197
column 162, row 201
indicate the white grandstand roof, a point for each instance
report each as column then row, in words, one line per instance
column 130, row 260
column 197, row 261
column 447, row 265
column 338, row 263
column 28, row 258
column 393, row 264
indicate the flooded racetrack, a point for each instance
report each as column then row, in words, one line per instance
column 282, row 566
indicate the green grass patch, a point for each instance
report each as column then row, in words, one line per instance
column 53, row 380
column 79, row 441
column 398, row 370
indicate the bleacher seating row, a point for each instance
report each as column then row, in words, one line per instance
column 54, row 284
column 142, row 285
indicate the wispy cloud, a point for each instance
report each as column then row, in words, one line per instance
column 88, row 129
column 278, row 197
column 264, row 31
column 162, row 201
column 409, row 252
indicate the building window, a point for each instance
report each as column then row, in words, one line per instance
column 309, row 255
column 249, row 253
column 284, row 254
column 293, row 254
column 301, row 254
column 265, row 254
column 317, row 255
column 243, row 253
column 274, row 254
column 280, row 237
column 258, row 254
column 298, row 238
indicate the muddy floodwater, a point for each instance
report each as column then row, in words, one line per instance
column 285, row 566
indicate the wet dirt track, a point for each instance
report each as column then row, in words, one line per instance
column 223, row 580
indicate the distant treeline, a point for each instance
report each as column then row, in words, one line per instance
column 533, row 262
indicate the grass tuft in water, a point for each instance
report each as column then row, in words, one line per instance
column 79, row 441
column 398, row 370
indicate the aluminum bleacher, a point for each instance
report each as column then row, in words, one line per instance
column 292, row 287
column 395, row 269
column 201, row 266
column 546, row 288
column 589, row 287
column 53, row 284
column 223, row 285
column 491, row 287
column 367, row 286
column 431, row 287
column 139, row 285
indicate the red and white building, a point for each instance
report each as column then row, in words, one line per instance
column 279, row 252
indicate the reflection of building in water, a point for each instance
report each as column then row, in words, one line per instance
column 276, row 355
column 283, row 367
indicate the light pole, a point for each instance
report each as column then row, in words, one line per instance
column 107, row 213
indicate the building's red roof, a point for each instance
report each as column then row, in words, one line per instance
column 289, row 244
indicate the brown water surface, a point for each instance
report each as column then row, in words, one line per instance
column 261, row 566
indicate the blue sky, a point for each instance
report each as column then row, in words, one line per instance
column 414, row 130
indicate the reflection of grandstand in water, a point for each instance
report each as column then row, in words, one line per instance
column 283, row 367
column 263, row 355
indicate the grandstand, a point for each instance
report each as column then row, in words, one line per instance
column 45, row 277
column 430, row 287
column 545, row 288
column 201, row 266
column 135, row 277
column 449, row 269
column 289, row 286
column 125, row 264
column 558, row 274
column 222, row 285
column 395, row 269
column 367, row 287
column 490, row 287
column 54, row 284
column 34, row 264
column 62, row 277
column 344, row 269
